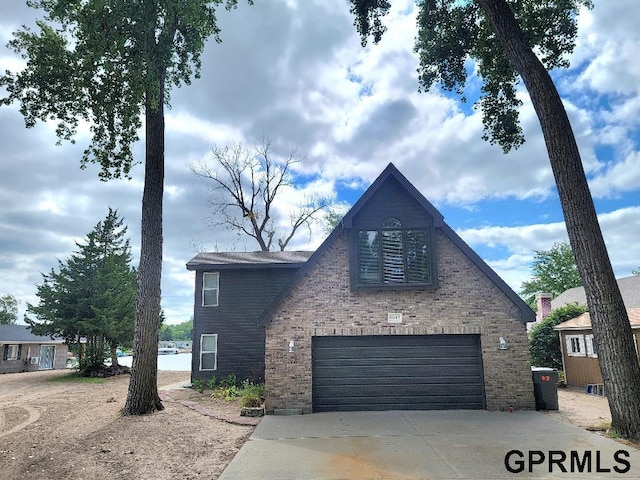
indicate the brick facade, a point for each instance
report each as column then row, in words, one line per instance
column 466, row 302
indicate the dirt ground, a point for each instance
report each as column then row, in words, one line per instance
column 69, row 430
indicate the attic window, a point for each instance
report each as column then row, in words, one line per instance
column 394, row 256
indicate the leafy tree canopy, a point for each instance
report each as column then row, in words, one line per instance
column 8, row 310
column 95, row 61
column 553, row 271
column 451, row 33
column 544, row 343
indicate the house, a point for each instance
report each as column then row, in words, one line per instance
column 629, row 289
column 22, row 351
column 579, row 353
column 232, row 290
column 393, row 311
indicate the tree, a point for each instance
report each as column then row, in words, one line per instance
column 554, row 271
column 544, row 342
column 636, row 271
column 105, row 63
column 503, row 38
column 92, row 295
column 246, row 184
column 8, row 310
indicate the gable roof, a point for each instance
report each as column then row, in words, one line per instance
column 229, row 260
column 392, row 171
column 629, row 288
column 526, row 313
column 583, row 322
column 22, row 334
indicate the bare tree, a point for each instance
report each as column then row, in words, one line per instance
column 246, row 183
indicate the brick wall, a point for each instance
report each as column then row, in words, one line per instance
column 467, row 302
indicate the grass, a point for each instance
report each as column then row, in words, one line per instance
column 75, row 377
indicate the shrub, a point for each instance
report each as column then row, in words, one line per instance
column 544, row 344
column 197, row 385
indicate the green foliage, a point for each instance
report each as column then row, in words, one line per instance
column 544, row 343
column 198, row 385
column 181, row 331
column 212, row 383
column 8, row 310
column 636, row 271
column 554, row 271
column 103, row 63
column 75, row 377
column 92, row 294
column 450, row 33
column 230, row 381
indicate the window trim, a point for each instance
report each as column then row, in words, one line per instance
column 579, row 342
column 590, row 346
column 214, row 352
column 216, row 288
column 357, row 284
column 16, row 348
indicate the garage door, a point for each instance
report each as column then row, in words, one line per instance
column 412, row 372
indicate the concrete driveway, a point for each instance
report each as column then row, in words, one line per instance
column 428, row 445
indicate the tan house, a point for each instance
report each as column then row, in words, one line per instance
column 580, row 354
column 395, row 311
column 22, row 351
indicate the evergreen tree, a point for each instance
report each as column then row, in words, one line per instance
column 92, row 295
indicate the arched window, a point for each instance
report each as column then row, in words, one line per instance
column 393, row 255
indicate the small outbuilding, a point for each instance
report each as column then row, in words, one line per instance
column 580, row 353
column 22, row 351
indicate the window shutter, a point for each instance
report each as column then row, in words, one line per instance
column 5, row 354
column 582, row 347
column 19, row 351
column 567, row 341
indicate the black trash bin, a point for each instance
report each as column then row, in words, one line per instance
column 545, row 387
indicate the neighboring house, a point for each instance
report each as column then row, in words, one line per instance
column 22, row 351
column 579, row 353
column 393, row 311
column 629, row 289
column 232, row 290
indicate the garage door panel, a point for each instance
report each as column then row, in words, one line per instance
column 393, row 370
column 398, row 380
column 397, row 362
column 397, row 372
column 382, row 352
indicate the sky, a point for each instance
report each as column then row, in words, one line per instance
column 293, row 71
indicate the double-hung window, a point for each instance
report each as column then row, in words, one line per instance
column 11, row 352
column 575, row 345
column 209, row 351
column 394, row 256
column 210, row 289
column 591, row 346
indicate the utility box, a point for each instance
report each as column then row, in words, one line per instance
column 545, row 387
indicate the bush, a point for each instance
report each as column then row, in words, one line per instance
column 544, row 344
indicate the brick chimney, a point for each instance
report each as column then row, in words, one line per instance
column 543, row 304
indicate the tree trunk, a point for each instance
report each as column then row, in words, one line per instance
column 114, row 354
column 611, row 328
column 142, row 397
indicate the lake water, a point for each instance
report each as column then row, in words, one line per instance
column 180, row 362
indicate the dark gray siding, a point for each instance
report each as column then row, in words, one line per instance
column 392, row 200
column 244, row 294
column 397, row 372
